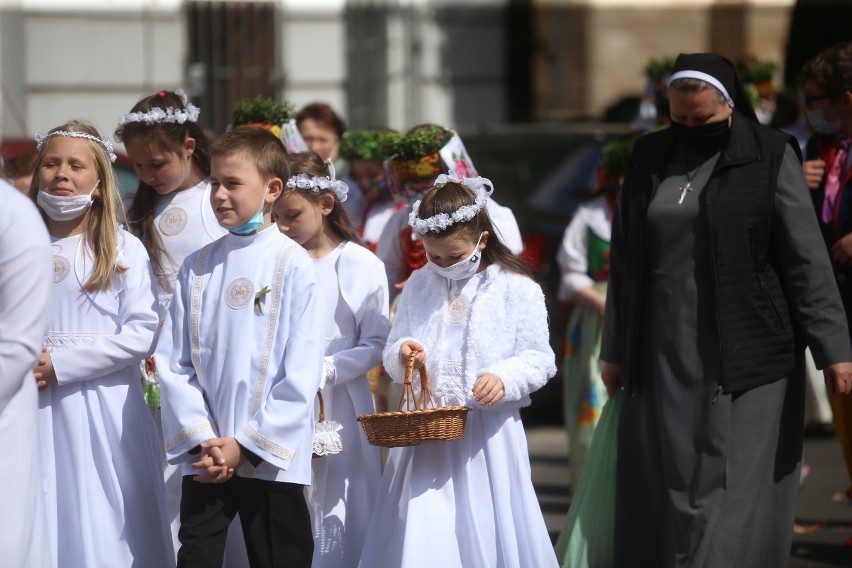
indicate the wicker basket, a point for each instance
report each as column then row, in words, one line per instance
column 416, row 424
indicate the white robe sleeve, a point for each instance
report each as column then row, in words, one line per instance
column 573, row 258
column 400, row 331
column 187, row 420
column 533, row 362
column 138, row 322
column 285, row 419
column 370, row 291
column 26, row 286
column 25, row 291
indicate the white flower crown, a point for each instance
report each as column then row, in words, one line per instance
column 41, row 140
column 465, row 213
column 157, row 115
column 317, row 184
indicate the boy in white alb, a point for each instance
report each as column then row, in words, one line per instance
column 240, row 362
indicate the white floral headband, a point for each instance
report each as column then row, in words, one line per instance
column 158, row 115
column 41, row 140
column 463, row 214
column 317, row 184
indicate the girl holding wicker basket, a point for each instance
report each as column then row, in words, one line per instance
column 477, row 321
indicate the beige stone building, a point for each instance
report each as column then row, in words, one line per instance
column 593, row 51
column 465, row 63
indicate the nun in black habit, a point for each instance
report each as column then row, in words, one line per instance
column 719, row 277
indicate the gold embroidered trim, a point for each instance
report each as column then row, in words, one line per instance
column 271, row 325
column 188, row 434
column 268, row 445
column 195, row 313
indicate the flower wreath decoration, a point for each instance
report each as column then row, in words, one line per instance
column 157, row 115
column 318, row 184
column 442, row 221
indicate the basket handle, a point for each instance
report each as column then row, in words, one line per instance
column 322, row 407
column 408, row 397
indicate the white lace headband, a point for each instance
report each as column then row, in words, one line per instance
column 317, row 184
column 41, row 140
column 465, row 213
column 158, row 115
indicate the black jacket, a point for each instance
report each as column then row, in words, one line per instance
column 756, row 331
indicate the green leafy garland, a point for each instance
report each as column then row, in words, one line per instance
column 421, row 141
column 262, row 110
column 659, row 67
column 615, row 156
column 372, row 144
column 758, row 72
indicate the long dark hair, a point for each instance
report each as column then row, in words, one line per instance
column 450, row 198
column 311, row 164
column 169, row 136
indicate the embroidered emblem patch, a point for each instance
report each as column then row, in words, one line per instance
column 457, row 308
column 61, row 268
column 172, row 221
column 239, row 293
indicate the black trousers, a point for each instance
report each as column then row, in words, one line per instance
column 274, row 517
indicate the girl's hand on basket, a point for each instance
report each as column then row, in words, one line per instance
column 488, row 389
column 412, row 346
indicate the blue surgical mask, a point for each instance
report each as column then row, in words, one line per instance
column 256, row 221
column 463, row 269
column 818, row 122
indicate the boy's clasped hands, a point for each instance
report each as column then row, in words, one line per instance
column 220, row 458
column 487, row 390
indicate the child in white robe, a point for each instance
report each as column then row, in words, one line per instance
column 423, row 153
column 240, row 362
column 355, row 295
column 102, row 477
column 170, row 212
column 478, row 322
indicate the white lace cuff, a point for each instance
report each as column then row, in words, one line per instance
column 329, row 374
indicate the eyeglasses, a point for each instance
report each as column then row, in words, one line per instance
column 813, row 98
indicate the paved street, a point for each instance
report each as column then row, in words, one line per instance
column 818, row 511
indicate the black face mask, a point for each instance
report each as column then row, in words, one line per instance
column 704, row 138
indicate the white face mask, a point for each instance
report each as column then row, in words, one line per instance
column 65, row 207
column 462, row 269
column 818, row 122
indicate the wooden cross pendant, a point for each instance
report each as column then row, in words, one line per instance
column 683, row 190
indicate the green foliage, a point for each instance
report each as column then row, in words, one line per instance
column 616, row 155
column 659, row 67
column 422, row 140
column 758, row 72
column 262, row 109
column 372, row 144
